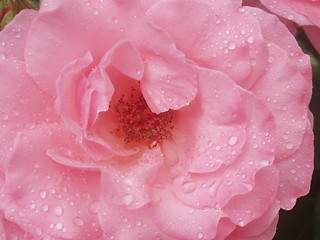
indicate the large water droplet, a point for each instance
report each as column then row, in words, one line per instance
column 58, row 211
column 128, row 199
column 233, row 140
column 188, row 187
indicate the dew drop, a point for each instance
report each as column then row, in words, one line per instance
column 250, row 39
column 58, row 211
column 188, row 187
column 59, row 226
column 43, row 194
column 233, row 140
column 218, row 147
column 210, row 143
column 128, row 199
column 200, row 235
column 232, row 46
column 289, row 146
column 45, row 208
column 241, row 223
column 78, row 221
column 95, row 11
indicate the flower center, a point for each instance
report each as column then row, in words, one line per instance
column 139, row 124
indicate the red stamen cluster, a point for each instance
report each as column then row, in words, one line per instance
column 139, row 124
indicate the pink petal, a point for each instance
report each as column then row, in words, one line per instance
column 129, row 181
column 182, row 222
column 243, row 209
column 60, row 201
column 13, row 36
column 268, row 234
column 23, row 105
column 287, row 41
column 313, row 34
column 310, row 9
column 220, row 127
column 10, row 230
column 70, row 85
column 122, row 224
column 226, row 44
column 168, row 83
column 296, row 172
column 260, row 225
column 217, row 188
column 284, row 90
column 286, row 10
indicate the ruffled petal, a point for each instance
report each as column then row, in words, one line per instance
column 310, row 9
column 225, row 44
column 217, row 188
column 286, row 10
column 296, row 172
column 243, row 209
column 182, row 222
column 48, row 198
column 284, row 90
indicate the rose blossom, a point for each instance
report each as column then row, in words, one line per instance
column 171, row 119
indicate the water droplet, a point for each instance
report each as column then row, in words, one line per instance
column 129, row 182
column 210, row 143
column 289, row 146
column 138, row 223
column 157, row 101
column 232, row 46
column 94, row 207
column 233, row 140
column 39, row 231
column 200, row 235
column 250, row 39
column 253, row 135
column 128, row 199
column 18, row 35
column 218, row 147
column 43, row 194
column 241, row 223
column 59, row 226
column 45, row 208
column 78, row 221
column 188, row 187
column 58, row 211
column 293, row 171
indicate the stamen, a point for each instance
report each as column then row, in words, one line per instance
column 139, row 124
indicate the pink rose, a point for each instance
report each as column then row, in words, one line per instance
column 173, row 119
